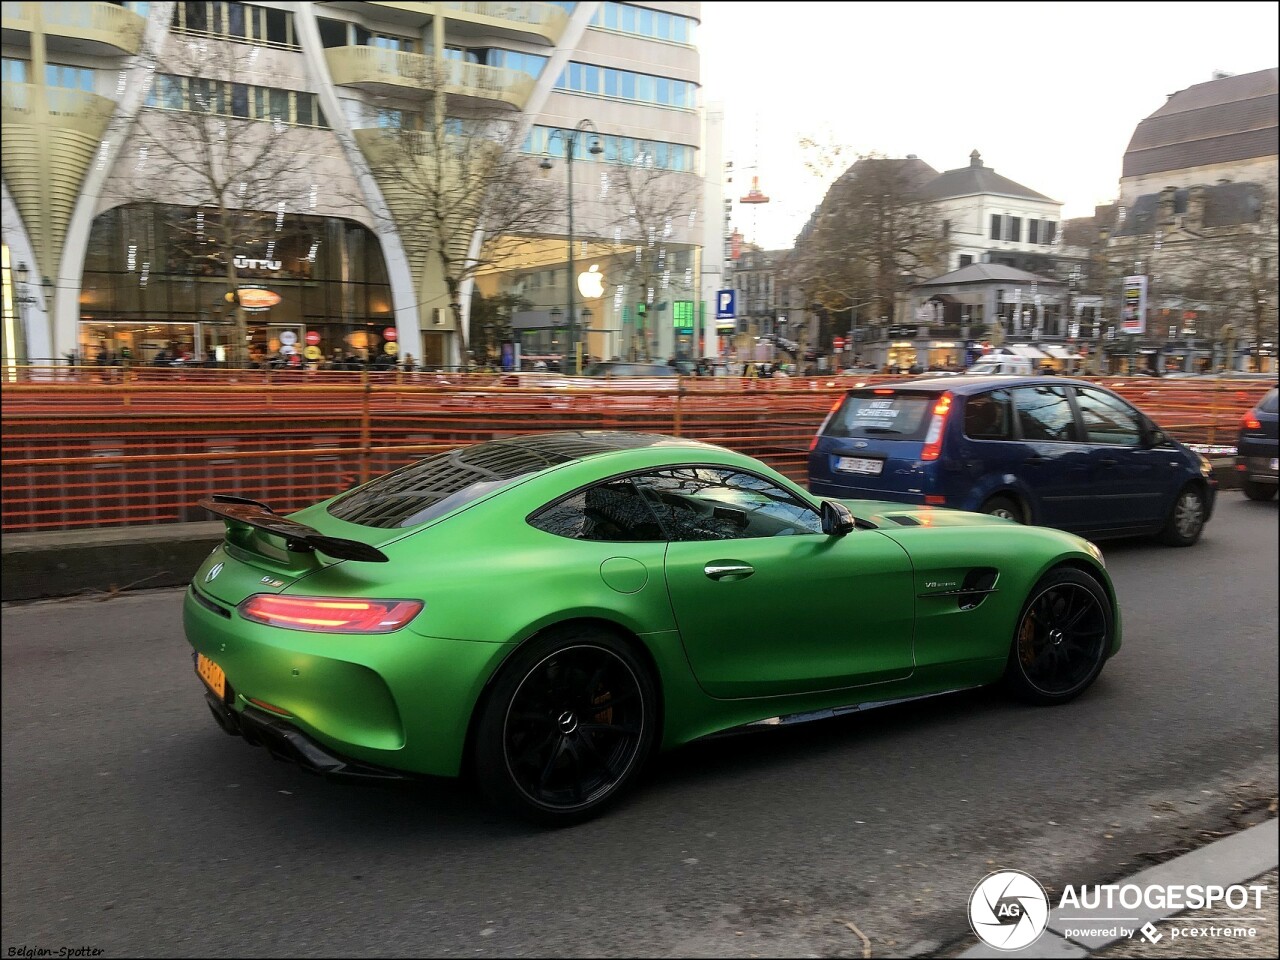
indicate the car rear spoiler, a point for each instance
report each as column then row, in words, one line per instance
column 298, row 536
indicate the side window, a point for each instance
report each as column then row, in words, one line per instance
column 989, row 416
column 1044, row 413
column 613, row 511
column 1108, row 419
column 717, row 503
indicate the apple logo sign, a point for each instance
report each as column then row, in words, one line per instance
column 591, row 283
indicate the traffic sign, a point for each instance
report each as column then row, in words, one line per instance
column 726, row 305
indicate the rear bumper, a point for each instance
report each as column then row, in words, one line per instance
column 1258, row 469
column 286, row 742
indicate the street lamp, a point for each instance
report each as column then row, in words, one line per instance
column 570, row 140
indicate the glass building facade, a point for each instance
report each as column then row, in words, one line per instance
column 155, row 280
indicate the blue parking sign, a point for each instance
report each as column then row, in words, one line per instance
column 725, row 305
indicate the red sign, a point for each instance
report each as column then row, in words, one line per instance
column 295, row 360
column 389, row 333
column 838, row 343
column 313, row 337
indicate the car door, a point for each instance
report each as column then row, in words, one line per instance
column 1049, row 459
column 1130, row 482
column 765, row 602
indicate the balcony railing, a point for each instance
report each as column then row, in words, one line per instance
column 544, row 19
column 20, row 102
column 103, row 23
column 358, row 65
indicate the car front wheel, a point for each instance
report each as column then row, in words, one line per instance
column 1064, row 632
column 566, row 728
column 1186, row 520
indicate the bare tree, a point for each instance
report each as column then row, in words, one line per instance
column 644, row 208
column 463, row 196
column 1227, row 271
column 870, row 239
column 230, row 148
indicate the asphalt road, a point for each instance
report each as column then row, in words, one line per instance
column 132, row 824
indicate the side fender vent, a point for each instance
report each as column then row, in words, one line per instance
column 979, row 583
column 905, row 521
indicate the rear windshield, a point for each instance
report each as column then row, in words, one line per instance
column 894, row 416
column 432, row 487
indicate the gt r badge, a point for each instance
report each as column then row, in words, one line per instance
column 213, row 573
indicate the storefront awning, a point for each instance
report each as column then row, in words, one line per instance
column 1025, row 350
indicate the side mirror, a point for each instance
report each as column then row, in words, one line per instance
column 1152, row 436
column 836, row 518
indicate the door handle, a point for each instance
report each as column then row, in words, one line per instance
column 1037, row 459
column 1108, row 461
column 727, row 570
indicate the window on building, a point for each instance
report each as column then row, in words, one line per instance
column 996, row 226
column 247, row 101
column 237, row 21
column 643, row 87
column 965, row 260
column 14, row 71
column 333, row 33
column 946, row 228
column 643, row 22
column 1048, row 232
column 70, row 78
column 1014, row 225
column 1033, row 231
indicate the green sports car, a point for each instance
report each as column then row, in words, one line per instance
column 548, row 611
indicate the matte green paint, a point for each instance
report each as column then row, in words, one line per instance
column 822, row 622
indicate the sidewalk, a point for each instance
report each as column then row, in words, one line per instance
column 1246, row 858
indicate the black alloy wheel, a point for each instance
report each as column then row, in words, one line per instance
column 568, row 724
column 1062, row 638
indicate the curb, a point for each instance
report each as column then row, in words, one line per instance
column 62, row 564
column 1236, row 859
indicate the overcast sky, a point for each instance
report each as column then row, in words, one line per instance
column 1048, row 93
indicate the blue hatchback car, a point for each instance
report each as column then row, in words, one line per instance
column 1044, row 450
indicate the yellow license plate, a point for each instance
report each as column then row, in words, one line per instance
column 212, row 674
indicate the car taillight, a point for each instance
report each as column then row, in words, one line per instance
column 933, row 439
column 1250, row 422
column 825, row 420
column 330, row 614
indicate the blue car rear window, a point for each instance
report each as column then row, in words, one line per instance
column 892, row 416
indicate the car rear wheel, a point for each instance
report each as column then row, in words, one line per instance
column 1257, row 491
column 1062, row 638
column 1186, row 520
column 1004, row 507
column 566, row 728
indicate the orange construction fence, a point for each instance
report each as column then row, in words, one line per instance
column 97, row 450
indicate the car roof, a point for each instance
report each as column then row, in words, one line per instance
column 968, row 384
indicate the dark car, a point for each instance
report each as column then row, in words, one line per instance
column 1257, row 448
column 1042, row 450
column 619, row 368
